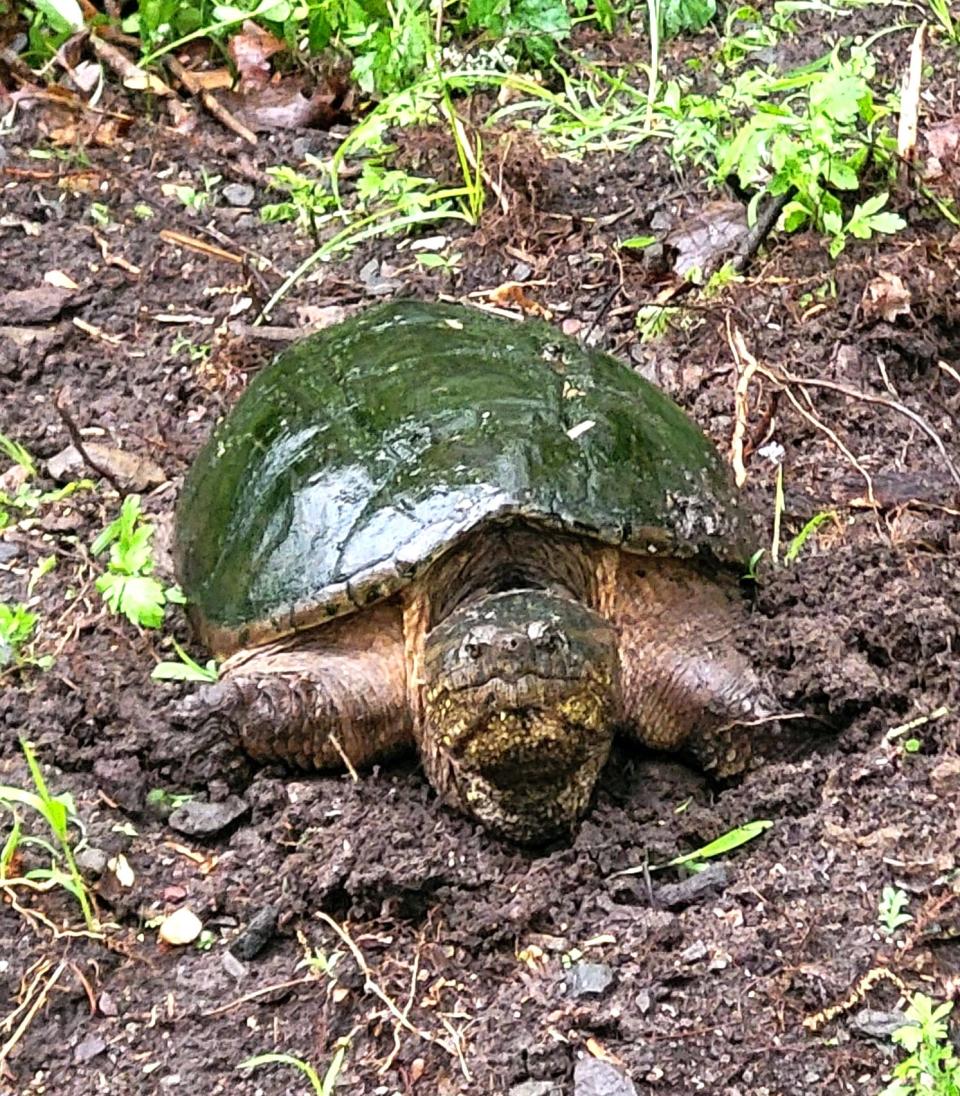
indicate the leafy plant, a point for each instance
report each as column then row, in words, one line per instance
column 128, row 586
column 186, row 669
column 891, row 912
column 321, row 1086
column 931, row 1067
column 28, row 499
column 59, row 812
column 17, row 626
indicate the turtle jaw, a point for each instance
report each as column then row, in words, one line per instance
column 526, row 773
column 522, row 696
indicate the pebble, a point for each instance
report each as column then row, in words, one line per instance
column 238, row 194
column 704, row 884
column 877, row 1024
column 181, row 927
column 199, row 819
column 92, row 861
column 536, row 1088
column 591, row 1077
column 589, row 979
column 259, row 932
column 88, row 1048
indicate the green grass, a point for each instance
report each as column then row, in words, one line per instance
column 59, row 813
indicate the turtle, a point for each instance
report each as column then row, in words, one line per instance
column 433, row 526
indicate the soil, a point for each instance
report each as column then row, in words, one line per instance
column 450, row 961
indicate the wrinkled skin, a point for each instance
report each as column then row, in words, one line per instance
column 523, row 694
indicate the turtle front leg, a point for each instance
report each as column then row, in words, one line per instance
column 685, row 684
column 335, row 698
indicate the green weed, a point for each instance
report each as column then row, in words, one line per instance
column 891, row 912
column 17, row 626
column 186, row 669
column 128, row 586
column 796, row 545
column 720, row 846
column 321, row 1086
column 28, row 499
column 931, row 1067
column 59, row 812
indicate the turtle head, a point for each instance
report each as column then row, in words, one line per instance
column 522, row 694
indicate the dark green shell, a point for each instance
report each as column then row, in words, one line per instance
column 366, row 450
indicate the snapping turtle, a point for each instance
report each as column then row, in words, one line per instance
column 429, row 525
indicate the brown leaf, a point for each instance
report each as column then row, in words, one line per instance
column 250, row 51
column 511, row 293
column 885, row 296
column 285, row 106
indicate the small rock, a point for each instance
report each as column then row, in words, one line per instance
column 8, row 551
column 181, row 927
column 694, row 953
column 945, row 777
column 704, row 884
column 238, row 194
column 232, row 965
column 377, row 283
column 877, row 1024
column 92, row 861
column 536, row 1088
column 643, row 1001
column 107, row 1005
column 259, row 932
column 521, row 271
column 40, row 304
column 198, row 819
column 88, row 1048
column 589, row 979
column 592, row 1077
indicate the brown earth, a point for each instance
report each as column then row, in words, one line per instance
column 704, row 982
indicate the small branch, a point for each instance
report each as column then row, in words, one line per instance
column 210, row 101
column 750, row 244
column 60, row 403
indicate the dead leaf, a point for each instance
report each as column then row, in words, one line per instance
column 885, row 296
column 131, row 471
column 512, row 294
column 286, row 104
column 250, row 51
column 60, row 280
column 701, row 240
column 943, row 145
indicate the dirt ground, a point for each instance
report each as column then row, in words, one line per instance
column 472, row 966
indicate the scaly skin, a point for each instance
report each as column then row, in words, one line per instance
column 513, row 697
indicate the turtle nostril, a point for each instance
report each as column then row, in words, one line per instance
column 471, row 650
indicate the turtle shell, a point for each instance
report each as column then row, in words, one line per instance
column 366, row 450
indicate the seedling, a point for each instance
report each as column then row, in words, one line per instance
column 720, row 846
column 128, row 586
column 796, row 545
column 753, row 563
column 17, row 625
column 59, row 812
column 931, row 1067
column 161, row 798
column 28, row 499
column 891, row 912
column 321, row 1086
column 186, row 669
